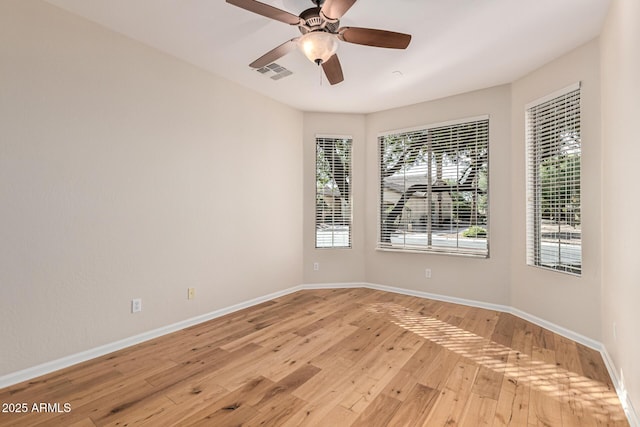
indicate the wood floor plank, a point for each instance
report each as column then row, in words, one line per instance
column 278, row 403
column 401, row 384
column 488, row 382
column 503, row 331
column 283, row 389
column 276, row 414
column 544, row 407
column 151, row 411
column 234, row 408
column 323, row 392
column 513, row 402
column 591, row 363
column 416, row 407
column 301, row 322
column 83, row 423
column 188, row 400
column 365, row 389
column 479, row 411
column 454, row 397
column 303, row 350
column 371, row 374
column 379, row 413
column 437, row 370
column 339, row 416
column 325, row 382
column 339, row 357
column 357, row 344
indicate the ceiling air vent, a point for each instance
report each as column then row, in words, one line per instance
column 275, row 71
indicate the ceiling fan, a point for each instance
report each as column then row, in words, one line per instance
column 320, row 28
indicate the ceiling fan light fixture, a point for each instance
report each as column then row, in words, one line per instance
column 318, row 46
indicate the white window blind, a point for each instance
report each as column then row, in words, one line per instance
column 553, row 180
column 333, row 192
column 434, row 186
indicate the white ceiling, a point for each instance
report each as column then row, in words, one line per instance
column 457, row 45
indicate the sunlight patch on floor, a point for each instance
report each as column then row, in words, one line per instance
column 555, row 381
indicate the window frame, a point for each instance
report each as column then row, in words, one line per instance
column 441, row 250
column 349, row 178
column 535, row 187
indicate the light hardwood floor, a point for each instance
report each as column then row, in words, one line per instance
column 340, row 357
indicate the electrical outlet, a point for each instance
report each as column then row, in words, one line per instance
column 316, row 266
column 427, row 273
column 136, row 305
column 191, row 293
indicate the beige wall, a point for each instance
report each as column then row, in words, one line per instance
column 125, row 173
column 336, row 265
column 569, row 301
column 478, row 279
column 620, row 64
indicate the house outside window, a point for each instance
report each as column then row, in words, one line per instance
column 554, row 221
column 333, row 192
column 434, row 188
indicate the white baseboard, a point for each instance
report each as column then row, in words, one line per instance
column 627, row 405
column 48, row 367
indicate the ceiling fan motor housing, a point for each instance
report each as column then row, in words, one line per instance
column 314, row 22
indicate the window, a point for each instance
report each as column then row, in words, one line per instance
column 434, row 184
column 333, row 192
column 553, row 180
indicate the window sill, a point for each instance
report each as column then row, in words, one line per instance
column 434, row 252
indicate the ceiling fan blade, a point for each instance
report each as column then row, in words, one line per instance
column 333, row 70
column 266, row 10
column 275, row 54
column 334, row 9
column 376, row 38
